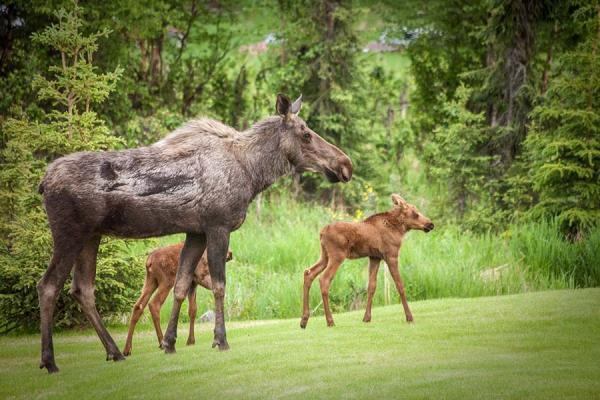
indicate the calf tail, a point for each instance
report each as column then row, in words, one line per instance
column 149, row 262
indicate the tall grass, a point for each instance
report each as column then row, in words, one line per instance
column 271, row 251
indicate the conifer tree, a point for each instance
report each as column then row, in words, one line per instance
column 564, row 142
column 72, row 88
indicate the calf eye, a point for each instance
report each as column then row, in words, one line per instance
column 415, row 215
column 306, row 137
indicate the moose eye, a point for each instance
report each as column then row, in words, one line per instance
column 415, row 214
column 306, row 137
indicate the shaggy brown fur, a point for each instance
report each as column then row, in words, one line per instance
column 378, row 237
column 161, row 268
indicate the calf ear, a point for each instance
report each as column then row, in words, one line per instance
column 283, row 105
column 398, row 201
column 297, row 105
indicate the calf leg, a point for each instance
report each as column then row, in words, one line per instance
column 149, row 288
column 309, row 276
column 373, row 268
column 218, row 244
column 190, row 255
column 393, row 267
column 192, row 309
column 48, row 288
column 155, row 305
column 325, row 281
column 83, row 291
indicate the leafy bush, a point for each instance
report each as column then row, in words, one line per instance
column 118, row 279
column 73, row 87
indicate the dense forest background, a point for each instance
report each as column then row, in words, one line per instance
column 485, row 114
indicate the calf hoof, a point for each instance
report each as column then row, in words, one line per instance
column 126, row 352
column 190, row 342
column 367, row 318
column 50, row 366
column 116, row 356
column 409, row 319
column 330, row 324
column 303, row 322
column 223, row 345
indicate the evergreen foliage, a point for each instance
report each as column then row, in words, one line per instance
column 457, row 154
column 72, row 88
column 343, row 99
column 564, row 141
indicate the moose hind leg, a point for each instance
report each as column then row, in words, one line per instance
column 309, row 276
column 155, row 305
column 138, row 309
column 325, row 282
column 48, row 288
column 83, row 291
column 190, row 255
column 192, row 310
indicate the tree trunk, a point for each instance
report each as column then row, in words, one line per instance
column 548, row 63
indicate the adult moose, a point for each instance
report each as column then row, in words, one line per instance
column 199, row 180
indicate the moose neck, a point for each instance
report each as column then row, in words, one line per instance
column 259, row 150
column 396, row 223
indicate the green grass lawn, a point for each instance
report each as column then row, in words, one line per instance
column 535, row 345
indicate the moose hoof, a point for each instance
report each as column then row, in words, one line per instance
column 126, row 353
column 223, row 345
column 367, row 319
column 190, row 342
column 409, row 319
column 303, row 323
column 114, row 356
column 330, row 324
column 50, row 366
column 168, row 348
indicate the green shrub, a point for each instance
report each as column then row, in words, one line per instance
column 25, row 246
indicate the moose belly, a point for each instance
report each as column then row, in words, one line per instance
column 140, row 221
column 363, row 251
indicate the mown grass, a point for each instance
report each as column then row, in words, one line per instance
column 536, row 345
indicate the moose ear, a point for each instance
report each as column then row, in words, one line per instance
column 297, row 105
column 283, row 105
column 397, row 200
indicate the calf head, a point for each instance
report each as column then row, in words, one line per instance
column 305, row 149
column 410, row 216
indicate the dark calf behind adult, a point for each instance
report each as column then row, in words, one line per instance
column 378, row 237
column 199, row 180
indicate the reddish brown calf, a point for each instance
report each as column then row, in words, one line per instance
column 378, row 237
column 161, row 269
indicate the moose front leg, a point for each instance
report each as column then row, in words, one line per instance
column 392, row 263
column 190, row 255
column 218, row 244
